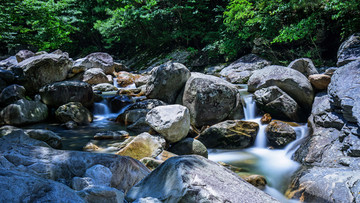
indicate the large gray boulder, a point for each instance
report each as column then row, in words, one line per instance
column 11, row 94
column 60, row 93
column 210, row 99
column 95, row 76
column 234, row 134
column 166, row 82
column 279, row 134
column 276, row 102
column 291, row 81
column 240, row 71
column 195, row 179
column 189, row 146
column 171, row 121
column 96, row 60
column 349, row 50
column 304, row 66
column 44, row 69
column 74, row 111
column 24, row 54
column 344, row 91
column 23, row 112
column 51, row 138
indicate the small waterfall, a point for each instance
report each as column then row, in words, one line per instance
column 249, row 106
column 101, row 108
column 115, row 83
column 261, row 141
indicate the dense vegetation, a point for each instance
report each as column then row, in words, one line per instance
column 277, row 29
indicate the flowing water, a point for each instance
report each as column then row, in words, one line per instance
column 275, row 164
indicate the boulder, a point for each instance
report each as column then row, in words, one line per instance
column 143, row 145
column 23, row 112
column 103, row 194
column 189, row 146
column 171, row 121
column 344, row 91
column 119, row 102
column 209, row 99
column 151, row 163
column 142, row 80
column 51, row 138
column 230, row 134
column 291, row 81
column 19, row 186
column 258, row 181
column 276, row 102
column 73, row 111
column 349, row 50
column 195, row 179
column 44, row 69
column 99, row 174
column 139, row 126
column 265, row 119
column 166, row 82
column 113, row 135
column 124, row 79
column 120, row 67
column 11, row 94
column 7, row 76
column 240, row 71
column 279, row 134
column 95, row 76
column 63, row 165
column 60, row 93
column 320, row 81
column 18, row 136
column 304, row 66
column 9, row 62
column 96, row 60
column 104, row 87
column 78, row 183
column 23, row 54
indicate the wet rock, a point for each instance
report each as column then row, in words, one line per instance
column 44, row 69
column 279, row 134
column 19, row 186
column 51, row 138
column 95, row 194
column 60, row 93
column 258, row 181
column 81, row 183
column 166, row 82
column 210, row 99
column 349, row 50
column 265, row 119
column 125, row 79
column 230, row 134
column 147, row 104
column 64, row 165
column 99, row 174
column 23, row 112
column 240, row 71
column 292, row 82
column 142, row 80
column 330, row 71
column 320, row 81
column 304, row 66
column 151, row 163
column 119, row 102
column 131, row 116
column 143, row 145
column 189, row 146
column 24, row 54
column 96, row 60
column 11, row 94
column 95, row 76
column 174, row 181
column 344, row 91
column 171, row 121
column 18, row 136
column 73, row 111
column 165, row 155
column 114, row 135
column 276, row 102
column 104, row 87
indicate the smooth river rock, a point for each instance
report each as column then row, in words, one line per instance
column 304, row 66
column 189, row 146
column 279, row 134
column 194, row 178
column 74, row 111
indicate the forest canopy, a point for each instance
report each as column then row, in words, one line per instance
column 277, row 29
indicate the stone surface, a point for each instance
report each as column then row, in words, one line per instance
column 295, row 84
column 103, row 194
column 23, row 112
column 276, row 102
column 266, row 119
column 210, row 99
column 99, row 174
column 195, row 179
column 73, row 111
column 304, row 66
column 166, row 82
column 60, row 93
column 189, row 146
column 51, row 138
column 96, row 60
column 258, row 181
column 143, row 145
column 11, row 94
column 81, row 183
column 320, row 81
column 279, row 134
column 113, row 135
column 9, row 62
column 344, row 91
column 151, row 163
column 24, row 54
column 44, row 69
column 142, row 80
column 349, row 50
column 171, row 121
column 240, row 71
column 230, row 134
column 117, row 103
column 124, row 79
column 95, row 76
column 104, row 87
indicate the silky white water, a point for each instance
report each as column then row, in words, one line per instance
column 275, row 164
